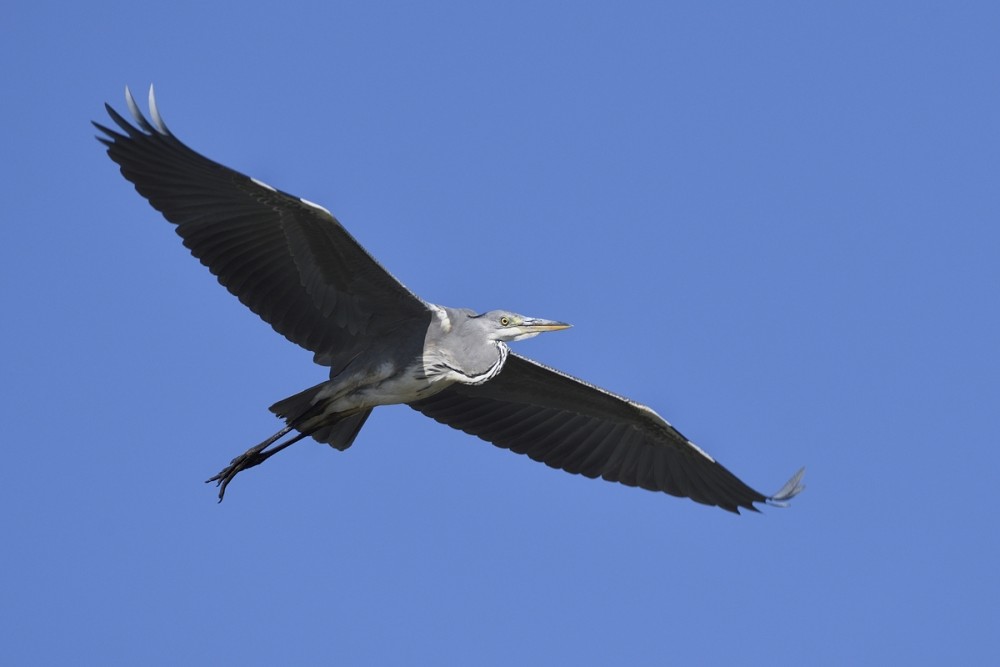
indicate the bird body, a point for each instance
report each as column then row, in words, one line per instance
column 453, row 351
column 291, row 262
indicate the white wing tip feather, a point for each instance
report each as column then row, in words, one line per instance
column 155, row 113
column 133, row 108
column 792, row 488
column 158, row 124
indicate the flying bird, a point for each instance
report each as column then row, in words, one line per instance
column 291, row 262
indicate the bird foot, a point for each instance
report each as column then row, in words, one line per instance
column 250, row 458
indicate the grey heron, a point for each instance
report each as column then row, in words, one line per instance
column 293, row 264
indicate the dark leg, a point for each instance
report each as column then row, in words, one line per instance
column 252, row 457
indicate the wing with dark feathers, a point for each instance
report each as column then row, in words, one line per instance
column 288, row 260
column 577, row 427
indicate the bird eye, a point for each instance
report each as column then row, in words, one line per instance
column 504, row 320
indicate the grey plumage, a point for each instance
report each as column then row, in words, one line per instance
column 291, row 262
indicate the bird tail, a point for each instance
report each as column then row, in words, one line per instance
column 296, row 406
column 341, row 433
column 304, row 412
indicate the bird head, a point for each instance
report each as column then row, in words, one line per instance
column 506, row 326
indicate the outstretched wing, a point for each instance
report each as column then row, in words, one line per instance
column 287, row 259
column 577, row 427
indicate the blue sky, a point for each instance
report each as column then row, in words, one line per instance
column 776, row 223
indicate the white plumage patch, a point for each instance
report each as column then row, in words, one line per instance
column 262, row 184
column 653, row 412
column 442, row 316
column 315, row 206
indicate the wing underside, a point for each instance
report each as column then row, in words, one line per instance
column 288, row 260
column 573, row 426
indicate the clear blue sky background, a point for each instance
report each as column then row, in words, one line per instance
column 774, row 222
